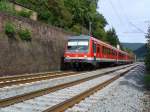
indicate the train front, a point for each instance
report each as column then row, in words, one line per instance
column 77, row 53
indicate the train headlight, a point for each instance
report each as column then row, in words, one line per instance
column 85, row 56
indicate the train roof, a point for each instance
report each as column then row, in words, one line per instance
column 110, row 46
column 79, row 37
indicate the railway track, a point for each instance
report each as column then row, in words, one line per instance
column 21, row 90
column 62, row 106
column 29, row 100
column 22, row 79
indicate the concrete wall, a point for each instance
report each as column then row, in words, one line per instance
column 43, row 53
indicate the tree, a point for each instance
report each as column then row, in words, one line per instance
column 112, row 38
column 147, row 59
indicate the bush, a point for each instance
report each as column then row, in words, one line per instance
column 7, row 7
column 25, row 13
column 147, row 60
column 45, row 16
column 25, row 34
column 10, row 29
column 147, row 80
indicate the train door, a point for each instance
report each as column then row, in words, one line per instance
column 104, row 52
column 98, row 52
column 94, row 52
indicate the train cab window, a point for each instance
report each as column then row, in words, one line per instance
column 78, row 45
column 94, row 47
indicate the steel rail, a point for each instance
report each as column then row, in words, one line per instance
column 8, row 78
column 32, row 78
column 27, row 96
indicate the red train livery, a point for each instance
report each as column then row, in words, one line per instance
column 85, row 50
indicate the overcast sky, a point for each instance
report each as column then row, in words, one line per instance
column 130, row 18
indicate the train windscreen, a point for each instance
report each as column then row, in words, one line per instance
column 78, row 45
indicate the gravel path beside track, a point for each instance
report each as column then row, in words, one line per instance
column 123, row 95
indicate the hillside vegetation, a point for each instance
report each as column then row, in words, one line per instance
column 138, row 48
column 133, row 46
column 141, row 52
column 71, row 15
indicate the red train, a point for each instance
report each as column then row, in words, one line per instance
column 88, row 51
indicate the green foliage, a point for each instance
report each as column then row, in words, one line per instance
column 25, row 34
column 76, row 28
column 128, row 50
column 84, row 11
column 45, row 16
column 112, row 37
column 6, row 7
column 100, row 34
column 147, row 59
column 25, row 13
column 147, row 80
column 72, row 15
column 10, row 29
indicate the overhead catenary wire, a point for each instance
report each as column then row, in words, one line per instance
column 128, row 20
column 125, row 17
column 116, row 12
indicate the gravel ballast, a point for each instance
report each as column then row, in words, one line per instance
column 123, row 95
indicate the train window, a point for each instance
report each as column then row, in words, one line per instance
column 114, row 53
column 103, row 49
column 98, row 50
column 94, row 47
column 78, row 45
column 111, row 52
column 108, row 51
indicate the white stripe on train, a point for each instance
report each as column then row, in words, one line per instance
column 98, row 59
